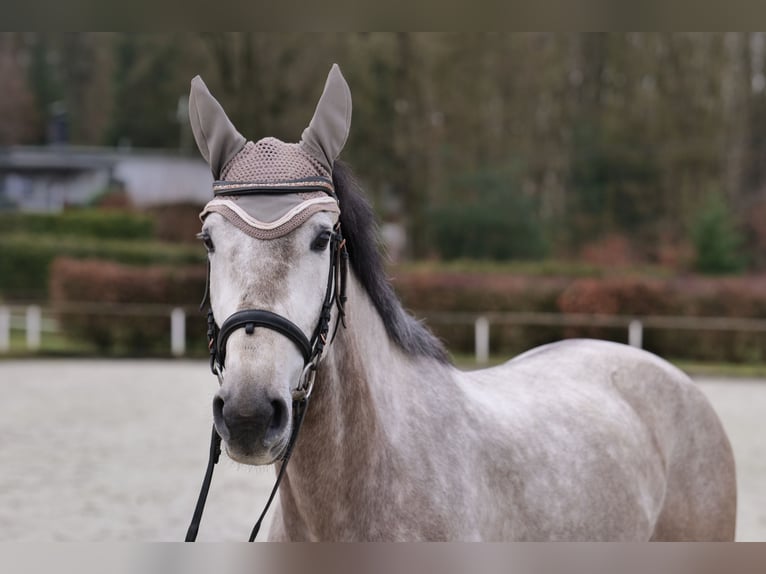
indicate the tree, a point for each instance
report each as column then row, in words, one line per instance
column 716, row 238
column 486, row 216
column 18, row 116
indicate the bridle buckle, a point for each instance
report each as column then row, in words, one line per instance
column 306, row 381
column 215, row 367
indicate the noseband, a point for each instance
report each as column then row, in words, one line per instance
column 311, row 350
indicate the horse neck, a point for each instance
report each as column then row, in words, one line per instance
column 355, row 412
column 360, row 376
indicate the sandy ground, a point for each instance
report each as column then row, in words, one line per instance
column 116, row 450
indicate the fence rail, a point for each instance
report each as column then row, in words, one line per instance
column 635, row 325
column 35, row 319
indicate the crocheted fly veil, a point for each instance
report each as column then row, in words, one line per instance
column 268, row 188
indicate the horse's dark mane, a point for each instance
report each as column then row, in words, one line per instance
column 360, row 229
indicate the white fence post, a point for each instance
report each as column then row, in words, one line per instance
column 178, row 332
column 481, row 332
column 5, row 329
column 34, row 324
column 636, row 334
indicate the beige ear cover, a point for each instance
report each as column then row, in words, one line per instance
column 217, row 138
column 326, row 134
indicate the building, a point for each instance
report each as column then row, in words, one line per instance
column 50, row 178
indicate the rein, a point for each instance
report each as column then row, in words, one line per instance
column 249, row 319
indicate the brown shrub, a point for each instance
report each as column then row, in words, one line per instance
column 611, row 296
column 457, row 291
column 124, row 329
column 613, row 250
column 720, row 297
column 615, row 296
column 477, row 293
column 441, row 291
column 742, row 297
column 632, row 296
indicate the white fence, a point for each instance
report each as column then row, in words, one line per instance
column 634, row 325
column 35, row 320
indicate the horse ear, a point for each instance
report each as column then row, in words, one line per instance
column 217, row 138
column 328, row 129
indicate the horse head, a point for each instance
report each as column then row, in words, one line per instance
column 274, row 247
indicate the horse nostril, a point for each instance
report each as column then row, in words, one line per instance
column 279, row 413
column 277, row 422
column 218, row 407
column 220, row 423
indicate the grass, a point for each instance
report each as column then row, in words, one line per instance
column 57, row 346
column 51, row 344
column 742, row 370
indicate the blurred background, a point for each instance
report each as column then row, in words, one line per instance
column 530, row 187
column 549, row 174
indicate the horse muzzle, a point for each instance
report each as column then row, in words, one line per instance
column 254, row 428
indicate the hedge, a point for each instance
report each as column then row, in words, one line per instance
column 80, row 223
column 735, row 297
column 25, row 259
column 431, row 292
column 738, row 297
column 75, row 281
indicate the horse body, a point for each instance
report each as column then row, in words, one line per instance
column 578, row 440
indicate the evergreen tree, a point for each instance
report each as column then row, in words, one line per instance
column 716, row 238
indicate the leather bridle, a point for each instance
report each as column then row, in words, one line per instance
column 249, row 319
column 311, row 350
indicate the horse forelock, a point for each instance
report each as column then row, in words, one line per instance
column 360, row 230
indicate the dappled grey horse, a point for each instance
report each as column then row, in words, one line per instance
column 576, row 440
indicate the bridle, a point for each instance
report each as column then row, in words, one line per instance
column 311, row 350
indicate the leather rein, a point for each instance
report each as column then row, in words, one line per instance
column 311, row 349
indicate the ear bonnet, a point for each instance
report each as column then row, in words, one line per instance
column 268, row 188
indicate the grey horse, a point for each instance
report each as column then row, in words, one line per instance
column 576, row 440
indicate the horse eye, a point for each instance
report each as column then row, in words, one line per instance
column 321, row 241
column 206, row 241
